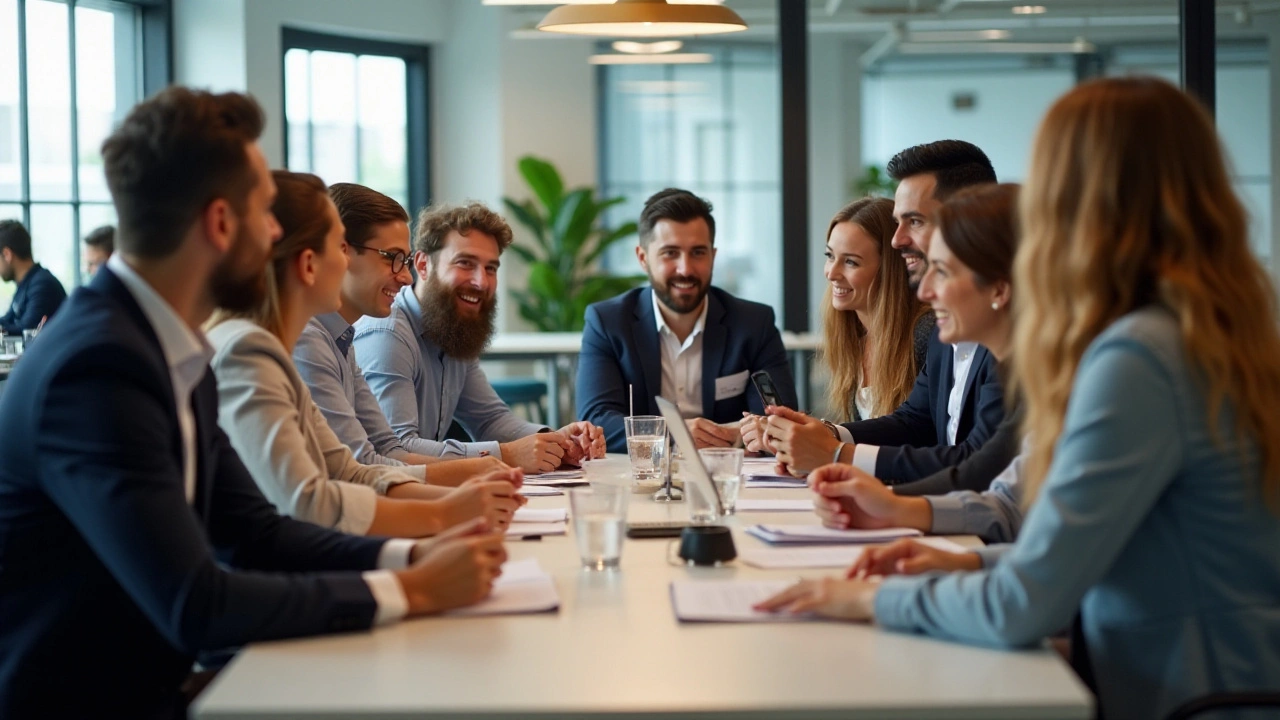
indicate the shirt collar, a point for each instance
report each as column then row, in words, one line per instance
column 408, row 302
column 661, row 321
column 186, row 351
column 339, row 329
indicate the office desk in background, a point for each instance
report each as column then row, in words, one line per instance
column 558, row 352
column 615, row 648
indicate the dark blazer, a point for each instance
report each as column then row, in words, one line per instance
column 38, row 296
column 110, row 582
column 913, row 438
column 620, row 347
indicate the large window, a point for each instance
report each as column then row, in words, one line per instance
column 69, row 71
column 356, row 112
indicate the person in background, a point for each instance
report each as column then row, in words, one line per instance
column 98, row 246
column 267, row 411
column 957, row 402
column 875, row 331
column 680, row 338
column 969, row 284
column 39, row 294
column 377, row 249
column 423, row 361
column 131, row 536
column 1145, row 345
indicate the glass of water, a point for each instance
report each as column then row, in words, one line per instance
column 599, row 514
column 646, row 446
column 724, row 465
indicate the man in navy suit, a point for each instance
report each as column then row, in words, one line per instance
column 39, row 294
column 957, row 401
column 680, row 339
column 131, row 537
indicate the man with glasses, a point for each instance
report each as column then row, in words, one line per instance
column 377, row 234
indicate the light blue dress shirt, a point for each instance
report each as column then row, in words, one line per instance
column 1157, row 534
column 421, row 390
column 327, row 364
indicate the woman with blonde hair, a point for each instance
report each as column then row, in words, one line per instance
column 1146, row 347
column 266, row 409
column 875, row 332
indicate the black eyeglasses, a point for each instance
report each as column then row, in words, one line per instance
column 398, row 258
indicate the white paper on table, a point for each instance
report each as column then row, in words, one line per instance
column 823, row 556
column 817, row 534
column 524, row 529
column 773, row 505
column 563, row 478
column 523, row 587
column 540, row 515
column 727, row 600
column 539, row 491
column 776, row 481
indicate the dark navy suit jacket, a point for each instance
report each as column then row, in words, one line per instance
column 620, row 347
column 913, row 438
column 110, row 582
column 38, row 296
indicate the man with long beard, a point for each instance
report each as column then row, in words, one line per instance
column 681, row 339
column 422, row 362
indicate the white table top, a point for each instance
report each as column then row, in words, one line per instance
column 615, row 647
column 570, row 343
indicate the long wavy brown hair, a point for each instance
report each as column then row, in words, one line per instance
column 894, row 312
column 1129, row 202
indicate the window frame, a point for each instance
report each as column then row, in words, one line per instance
column 417, row 96
column 153, row 60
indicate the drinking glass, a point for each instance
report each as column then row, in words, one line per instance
column 646, row 446
column 599, row 515
column 724, row 465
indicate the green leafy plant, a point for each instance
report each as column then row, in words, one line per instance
column 568, row 239
column 874, row 181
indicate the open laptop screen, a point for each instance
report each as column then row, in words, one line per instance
column 689, row 450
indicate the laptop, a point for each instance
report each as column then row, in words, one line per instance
column 698, row 474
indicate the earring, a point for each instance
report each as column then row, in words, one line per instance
column 995, row 306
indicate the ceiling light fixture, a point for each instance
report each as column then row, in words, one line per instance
column 641, row 48
column 642, row 18
column 960, row 35
column 589, row 2
column 663, row 59
column 1029, row 10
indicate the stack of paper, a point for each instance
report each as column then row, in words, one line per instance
column 819, row 535
column 727, row 600
column 776, row 481
column 822, row 556
column 528, row 522
column 772, row 505
column 539, row 491
column 562, row 478
column 523, row 587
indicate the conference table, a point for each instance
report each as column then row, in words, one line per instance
column 614, row 649
column 557, row 351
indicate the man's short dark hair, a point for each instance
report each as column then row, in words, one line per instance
column 14, row 236
column 175, row 153
column 103, row 238
column 676, row 205
column 363, row 209
column 437, row 221
column 955, row 164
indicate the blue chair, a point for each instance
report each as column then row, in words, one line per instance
column 529, row 393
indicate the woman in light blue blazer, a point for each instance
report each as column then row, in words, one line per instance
column 1147, row 348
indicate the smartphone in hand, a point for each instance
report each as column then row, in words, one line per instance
column 764, row 386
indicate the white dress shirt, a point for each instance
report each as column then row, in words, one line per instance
column 187, row 353
column 864, row 456
column 681, row 362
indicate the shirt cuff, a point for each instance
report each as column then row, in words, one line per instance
column 948, row 515
column 387, row 593
column 864, row 458
column 394, row 554
column 480, row 449
column 992, row 554
column 359, row 503
column 844, row 434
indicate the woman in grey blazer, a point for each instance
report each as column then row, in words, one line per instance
column 1146, row 345
column 277, row 430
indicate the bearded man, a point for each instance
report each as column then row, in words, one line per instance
column 422, row 361
column 680, row 339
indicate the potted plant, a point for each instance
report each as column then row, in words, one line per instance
column 874, row 181
column 568, row 239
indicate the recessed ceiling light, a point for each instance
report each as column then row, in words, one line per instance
column 663, row 59
column 1029, row 10
column 642, row 48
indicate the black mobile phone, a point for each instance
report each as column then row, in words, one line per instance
column 764, row 386
column 661, row 529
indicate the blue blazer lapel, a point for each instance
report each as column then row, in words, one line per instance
column 714, row 336
column 645, row 333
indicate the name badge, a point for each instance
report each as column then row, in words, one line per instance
column 733, row 385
